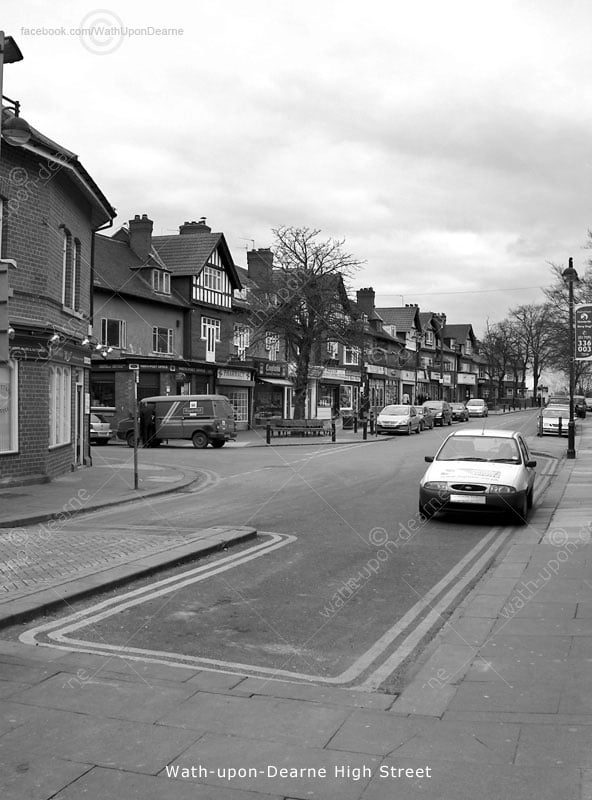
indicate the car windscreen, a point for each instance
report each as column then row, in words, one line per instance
column 480, row 448
column 556, row 412
column 395, row 411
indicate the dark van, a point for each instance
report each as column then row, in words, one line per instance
column 203, row 418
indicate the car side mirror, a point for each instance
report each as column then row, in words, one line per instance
column 429, row 459
column 531, row 463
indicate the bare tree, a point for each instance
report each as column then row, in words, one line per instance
column 535, row 337
column 307, row 301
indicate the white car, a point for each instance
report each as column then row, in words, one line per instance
column 554, row 419
column 479, row 470
column 398, row 419
column 477, row 408
column 100, row 431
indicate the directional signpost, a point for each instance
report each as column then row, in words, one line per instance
column 583, row 325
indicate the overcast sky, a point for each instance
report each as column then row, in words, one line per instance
column 447, row 141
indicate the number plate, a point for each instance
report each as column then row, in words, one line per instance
column 478, row 499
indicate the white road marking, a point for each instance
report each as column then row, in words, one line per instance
column 58, row 631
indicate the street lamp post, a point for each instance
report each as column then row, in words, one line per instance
column 571, row 276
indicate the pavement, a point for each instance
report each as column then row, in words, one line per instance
column 499, row 705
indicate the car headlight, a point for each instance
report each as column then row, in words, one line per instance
column 501, row 489
column 437, row 485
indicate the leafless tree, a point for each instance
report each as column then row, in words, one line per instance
column 307, row 302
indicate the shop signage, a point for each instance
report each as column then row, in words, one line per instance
column 373, row 369
column 334, row 374
column 271, row 369
column 466, row 378
column 234, row 374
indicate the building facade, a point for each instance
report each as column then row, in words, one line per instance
column 50, row 211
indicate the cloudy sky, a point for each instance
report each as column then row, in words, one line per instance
column 449, row 143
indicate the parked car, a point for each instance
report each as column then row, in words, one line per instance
column 460, row 412
column 100, row 431
column 479, row 470
column 580, row 406
column 441, row 411
column 554, row 420
column 588, row 403
column 477, row 407
column 398, row 419
column 426, row 417
column 202, row 418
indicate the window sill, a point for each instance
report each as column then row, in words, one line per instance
column 72, row 312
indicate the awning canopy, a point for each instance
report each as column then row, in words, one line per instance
column 276, row 381
column 233, row 382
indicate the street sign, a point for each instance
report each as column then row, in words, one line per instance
column 583, row 332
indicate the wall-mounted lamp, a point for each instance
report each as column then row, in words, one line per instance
column 15, row 130
column 11, row 332
column 54, row 339
column 85, row 341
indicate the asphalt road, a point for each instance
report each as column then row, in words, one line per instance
column 343, row 584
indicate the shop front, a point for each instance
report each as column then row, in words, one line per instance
column 377, row 380
column 466, row 386
column 237, row 385
column 271, row 392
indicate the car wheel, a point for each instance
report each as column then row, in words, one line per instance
column 130, row 439
column 529, row 497
column 200, row 440
column 217, row 444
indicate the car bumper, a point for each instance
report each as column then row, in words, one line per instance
column 440, row 500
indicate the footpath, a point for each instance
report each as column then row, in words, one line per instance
column 498, row 706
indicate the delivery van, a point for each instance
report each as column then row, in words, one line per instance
column 203, row 418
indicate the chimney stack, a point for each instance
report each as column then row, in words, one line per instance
column 260, row 266
column 194, row 227
column 365, row 298
column 140, row 233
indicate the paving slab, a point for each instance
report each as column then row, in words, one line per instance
column 115, row 744
column 88, row 694
column 451, row 781
column 109, row 784
column 502, row 696
column 38, row 778
column 323, row 776
column 268, row 718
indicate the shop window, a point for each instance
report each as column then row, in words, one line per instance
column 60, row 406
column 102, row 390
column 9, row 407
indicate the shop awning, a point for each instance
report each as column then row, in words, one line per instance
column 276, row 381
column 233, row 382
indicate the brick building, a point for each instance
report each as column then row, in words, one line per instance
column 50, row 211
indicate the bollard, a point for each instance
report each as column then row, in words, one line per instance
column 268, row 433
column 333, row 432
column 355, row 423
column 540, row 426
column 364, row 430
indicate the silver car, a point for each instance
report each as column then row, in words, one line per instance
column 398, row 419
